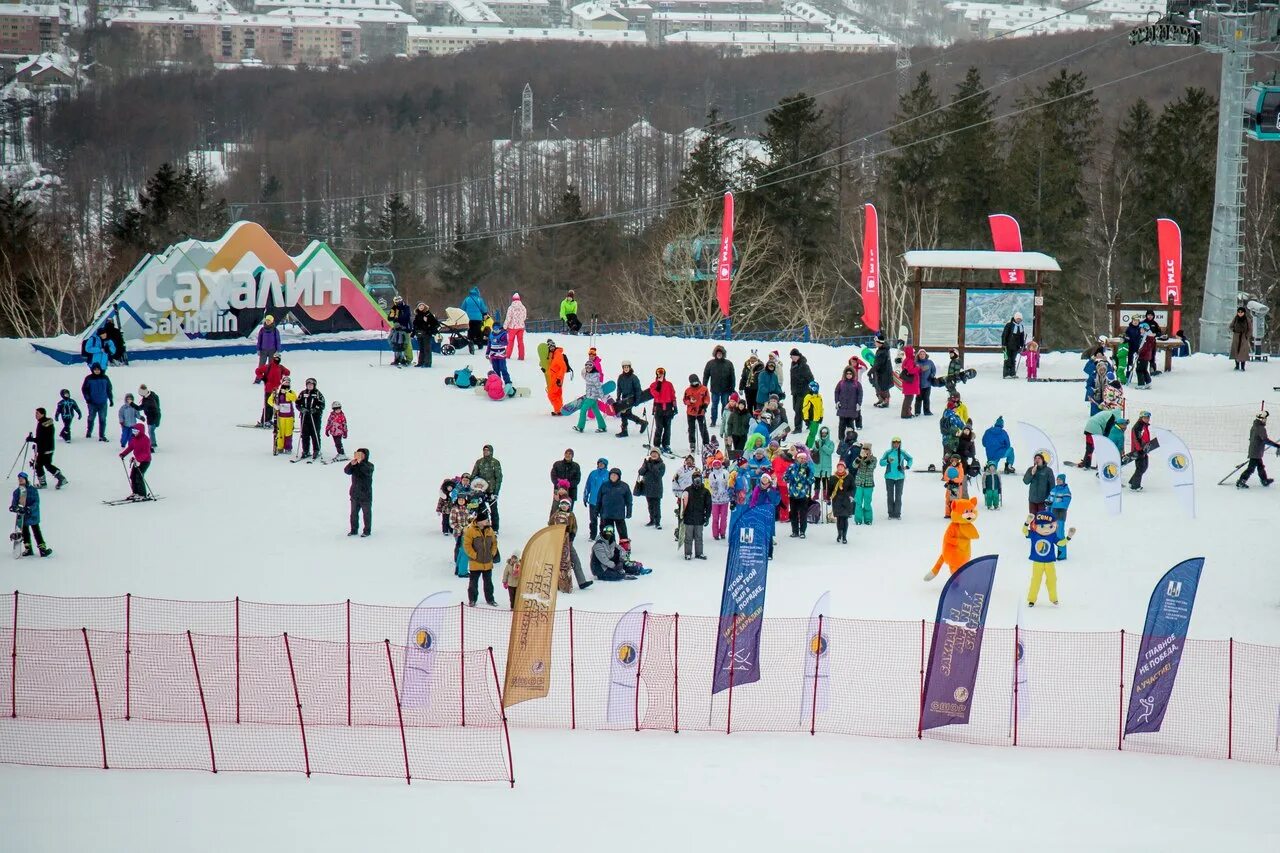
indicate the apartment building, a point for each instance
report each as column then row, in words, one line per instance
column 235, row 38
column 27, row 30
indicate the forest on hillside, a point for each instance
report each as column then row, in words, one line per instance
column 413, row 163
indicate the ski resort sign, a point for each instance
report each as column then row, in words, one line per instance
column 223, row 289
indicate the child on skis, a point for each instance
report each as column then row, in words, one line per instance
column 66, row 412
column 43, row 439
column 282, row 402
column 992, row 492
column 336, row 428
column 1032, row 355
column 1059, row 501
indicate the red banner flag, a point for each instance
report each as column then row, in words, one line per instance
column 1169, row 238
column 724, row 268
column 1006, row 236
column 871, row 269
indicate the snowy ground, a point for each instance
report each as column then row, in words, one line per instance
column 236, row 521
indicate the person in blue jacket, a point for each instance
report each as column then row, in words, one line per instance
column 26, row 505
column 99, row 349
column 475, row 309
column 896, row 462
column 591, row 492
column 1059, row 501
column 768, row 382
column 995, row 441
column 98, row 396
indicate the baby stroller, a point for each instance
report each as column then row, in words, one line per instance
column 453, row 331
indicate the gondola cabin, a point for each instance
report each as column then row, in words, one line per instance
column 1262, row 112
column 694, row 259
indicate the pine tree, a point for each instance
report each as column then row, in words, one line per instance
column 970, row 164
column 466, row 261
column 914, row 165
column 709, row 172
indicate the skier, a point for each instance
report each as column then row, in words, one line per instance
column 591, row 399
column 569, row 313
column 67, row 411
column 425, row 327
column 270, row 375
column 694, row 516
column 652, row 471
column 98, row 396
column 696, row 400
column 1259, row 441
column 626, row 395
column 664, row 410
column 336, row 428
column 910, row 373
column 801, row 378
column 310, row 407
column 842, row 501
column 475, row 309
column 1039, row 480
column 25, row 504
column 882, row 374
column 591, row 494
column 718, row 376
column 613, row 503
column 928, row 375
column 45, row 443
column 481, row 545
column 848, row 395
column 283, row 404
column 864, row 483
column 896, row 463
column 1140, row 437
column 149, row 403
column 497, row 352
column 127, row 416
column 1012, row 340
column 1241, row 338
column 569, row 471
column 997, row 446
column 140, row 446
column 360, row 469
column 268, row 341
column 401, row 320
column 1059, row 503
column 1046, row 538
column 517, row 316
column 810, row 411
column 1133, row 338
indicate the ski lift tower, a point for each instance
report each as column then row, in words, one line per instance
column 1233, row 31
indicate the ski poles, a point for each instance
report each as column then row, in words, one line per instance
column 17, row 459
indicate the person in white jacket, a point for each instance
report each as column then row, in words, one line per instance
column 516, row 317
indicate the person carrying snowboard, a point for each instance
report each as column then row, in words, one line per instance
column 25, row 504
column 45, row 443
column 1140, row 438
column 66, row 412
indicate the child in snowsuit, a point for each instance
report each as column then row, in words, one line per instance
column 458, row 516
column 336, row 428
column 811, row 411
column 1059, row 500
column 1032, row 355
column 992, row 492
column 953, row 484
column 1042, row 530
column 283, row 403
column 511, row 578
column 591, row 404
column 66, row 412
column 128, row 416
column 864, row 482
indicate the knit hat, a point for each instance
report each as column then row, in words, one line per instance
column 716, row 463
column 515, row 297
column 693, row 379
column 840, row 466
column 795, row 353
column 564, row 504
column 1062, row 478
column 803, row 454
column 626, row 364
column 479, row 484
column 766, row 478
column 24, row 476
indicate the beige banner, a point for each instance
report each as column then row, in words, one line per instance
column 533, row 622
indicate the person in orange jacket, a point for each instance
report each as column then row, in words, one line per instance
column 697, row 399
column 557, row 368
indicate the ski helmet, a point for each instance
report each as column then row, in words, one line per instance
column 336, row 405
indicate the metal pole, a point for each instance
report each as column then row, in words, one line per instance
column 395, row 694
column 128, row 652
column 97, row 699
column 213, row 762
column 676, row 694
column 1120, row 737
column 644, row 622
column 573, row 710
column 297, row 700
column 511, row 767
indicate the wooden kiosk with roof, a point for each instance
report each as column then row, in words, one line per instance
column 964, row 298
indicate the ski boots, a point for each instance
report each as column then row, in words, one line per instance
column 45, row 551
column 41, row 483
column 62, row 481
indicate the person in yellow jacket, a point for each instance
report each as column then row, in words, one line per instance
column 481, row 545
column 283, row 403
column 1042, row 530
column 811, row 410
column 569, row 313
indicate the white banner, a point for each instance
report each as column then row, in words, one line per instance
column 1177, row 458
column 817, row 661
column 1035, row 441
column 1110, row 473
column 624, row 656
column 420, row 649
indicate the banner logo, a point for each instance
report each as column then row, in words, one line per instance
column 626, row 654
column 817, row 646
column 1110, row 471
column 1047, row 454
column 424, row 640
column 1178, row 462
column 1174, row 590
column 961, row 694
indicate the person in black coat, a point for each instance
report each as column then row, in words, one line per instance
column 567, row 469
column 613, row 502
column 801, row 376
column 652, row 470
column 45, row 438
column 360, row 469
column 121, row 355
column 626, row 395
column 694, row 516
column 882, row 374
column 310, row 406
column 719, row 376
column 966, row 449
column 149, row 403
column 1012, row 340
column 425, row 327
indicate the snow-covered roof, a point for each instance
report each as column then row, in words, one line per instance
column 380, row 16
column 704, row 38
column 474, row 12
column 981, row 260
column 495, row 34
column 338, row 6
column 810, row 13
column 595, row 11
column 31, row 11
column 743, row 18
column 44, row 62
column 236, row 20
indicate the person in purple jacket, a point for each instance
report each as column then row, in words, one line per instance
column 848, row 395
column 268, row 340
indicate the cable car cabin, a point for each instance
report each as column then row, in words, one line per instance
column 380, row 284
column 694, row 259
column 1262, row 112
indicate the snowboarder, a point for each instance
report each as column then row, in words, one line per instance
column 481, row 546
column 360, row 469
column 140, row 446
column 1046, row 538
column 425, row 327
column 517, row 316
column 608, row 561
column 626, row 396
column 718, row 376
column 268, row 341
column 696, row 400
column 664, row 410
column 896, row 463
column 45, row 443
column 336, row 428
column 1012, row 341
column 149, row 403
column 98, row 396
column 310, row 407
column 569, row 313
column 1259, row 441
column 25, row 504
column 1140, row 437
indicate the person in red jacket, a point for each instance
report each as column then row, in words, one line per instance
column 697, row 399
column 140, row 446
column 664, row 410
column 910, row 373
column 269, row 375
column 781, row 462
column 1140, row 438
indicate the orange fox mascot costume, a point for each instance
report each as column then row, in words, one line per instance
column 957, row 542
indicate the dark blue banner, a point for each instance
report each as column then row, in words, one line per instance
column 742, row 602
column 1168, row 618
column 957, row 644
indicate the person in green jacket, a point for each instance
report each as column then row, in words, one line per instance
column 864, row 483
column 896, row 462
column 569, row 313
column 823, row 458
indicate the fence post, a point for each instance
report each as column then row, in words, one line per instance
column 1231, row 673
column 13, row 662
column 97, row 700
column 395, row 694
column 462, row 663
column 573, row 687
column 213, row 762
column 128, row 636
column 817, row 655
column 237, row 660
column 297, row 700
column 511, row 767
column 349, row 662
column 920, row 719
column 1015, row 685
column 644, row 621
column 1120, row 735
column 677, row 659
column 650, row 325
column 733, row 656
